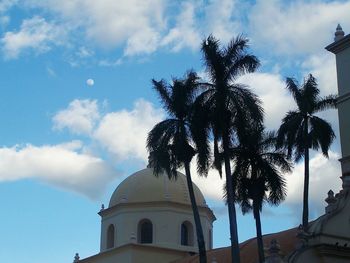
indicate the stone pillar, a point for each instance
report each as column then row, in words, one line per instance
column 341, row 48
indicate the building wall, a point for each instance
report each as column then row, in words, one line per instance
column 343, row 74
column 166, row 219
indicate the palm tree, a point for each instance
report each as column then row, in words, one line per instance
column 302, row 130
column 258, row 167
column 169, row 142
column 229, row 105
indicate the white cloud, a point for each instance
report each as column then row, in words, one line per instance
column 324, row 175
column 322, row 66
column 211, row 186
column 272, row 91
column 5, row 5
column 123, row 133
column 4, row 20
column 109, row 24
column 51, row 71
column 84, row 52
column 185, row 33
column 35, row 33
column 142, row 27
column 220, row 19
column 59, row 165
column 80, row 117
column 144, row 41
column 296, row 27
column 139, row 27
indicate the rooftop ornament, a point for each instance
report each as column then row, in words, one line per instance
column 76, row 258
column 339, row 33
column 274, row 252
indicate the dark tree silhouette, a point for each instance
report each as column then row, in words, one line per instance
column 169, row 142
column 258, row 167
column 229, row 106
column 302, row 130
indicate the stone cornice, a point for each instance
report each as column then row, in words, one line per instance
column 343, row 98
column 132, row 246
column 158, row 204
column 339, row 45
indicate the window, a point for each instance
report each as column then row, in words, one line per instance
column 145, row 232
column 110, row 236
column 186, row 234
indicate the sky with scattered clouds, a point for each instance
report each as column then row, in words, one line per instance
column 77, row 104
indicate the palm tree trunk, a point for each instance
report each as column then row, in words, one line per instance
column 197, row 221
column 259, row 234
column 231, row 204
column 306, row 179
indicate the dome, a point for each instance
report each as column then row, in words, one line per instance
column 143, row 187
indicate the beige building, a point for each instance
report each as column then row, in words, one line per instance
column 149, row 219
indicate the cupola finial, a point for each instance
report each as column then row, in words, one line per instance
column 339, row 33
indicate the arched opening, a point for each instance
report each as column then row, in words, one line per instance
column 145, row 232
column 186, row 234
column 110, row 236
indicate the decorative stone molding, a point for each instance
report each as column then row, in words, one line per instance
column 330, row 200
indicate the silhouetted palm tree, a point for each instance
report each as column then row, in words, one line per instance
column 258, row 167
column 301, row 129
column 169, row 142
column 229, row 105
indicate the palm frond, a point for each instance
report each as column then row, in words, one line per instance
column 328, row 102
column 245, row 64
column 212, row 57
column 292, row 87
column 234, row 49
column 310, row 93
column 321, row 134
column 162, row 89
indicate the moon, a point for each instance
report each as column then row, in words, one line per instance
column 90, row 82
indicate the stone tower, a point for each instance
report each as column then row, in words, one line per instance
column 341, row 48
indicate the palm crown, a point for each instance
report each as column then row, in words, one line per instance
column 169, row 142
column 301, row 128
column 228, row 104
column 259, row 167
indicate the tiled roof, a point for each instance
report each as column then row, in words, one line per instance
column 287, row 240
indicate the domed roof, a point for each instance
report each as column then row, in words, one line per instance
column 143, row 186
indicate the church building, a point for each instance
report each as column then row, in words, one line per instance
column 150, row 219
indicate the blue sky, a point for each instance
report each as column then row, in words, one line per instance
column 65, row 144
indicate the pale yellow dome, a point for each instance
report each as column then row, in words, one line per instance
column 143, row 187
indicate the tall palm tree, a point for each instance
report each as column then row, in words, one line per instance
column 302, row 130
column 169, row 142
column 229, row 106
column 258, row 167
